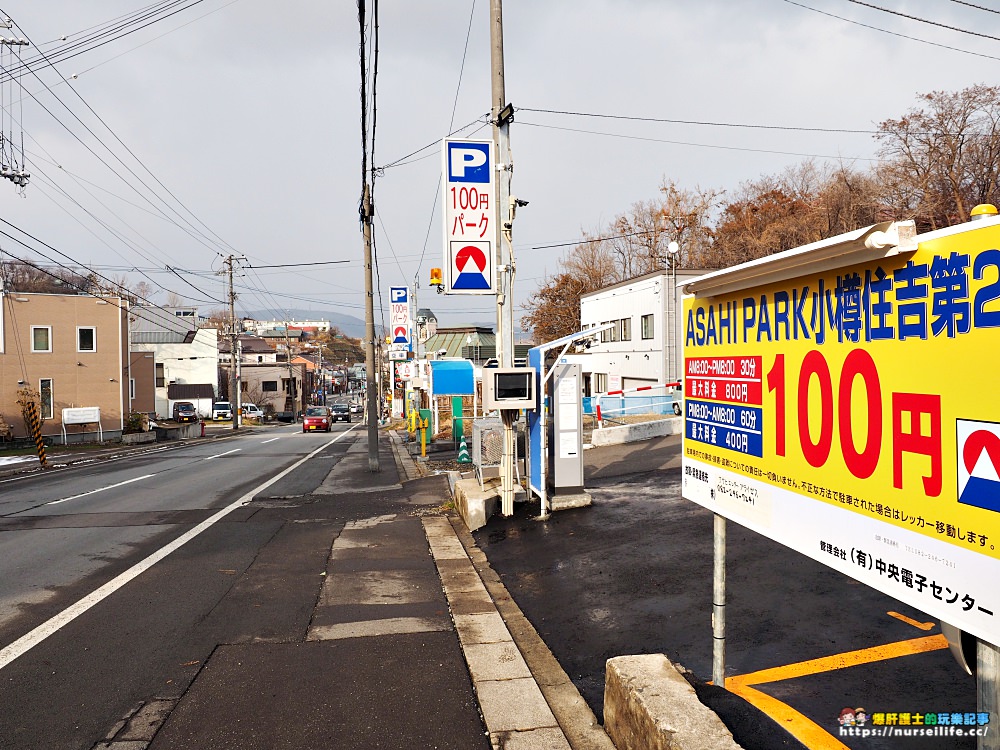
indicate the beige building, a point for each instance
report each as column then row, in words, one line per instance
column 70, row 349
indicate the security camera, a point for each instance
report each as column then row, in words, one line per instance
column 518, row 202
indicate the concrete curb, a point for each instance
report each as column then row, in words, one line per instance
column 513, row 707
column 576, row 721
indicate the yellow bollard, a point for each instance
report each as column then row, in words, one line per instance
column 423, row 437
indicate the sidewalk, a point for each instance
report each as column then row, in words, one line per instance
column 412, row 641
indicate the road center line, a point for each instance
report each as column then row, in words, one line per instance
column 51, row 626
column 101, row 489
column 234, row 450
column 264, row 442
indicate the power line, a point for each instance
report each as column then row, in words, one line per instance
column 697, row 122
column 699, row 145
column 891, row 33
column 924, row 20
column 977, row 7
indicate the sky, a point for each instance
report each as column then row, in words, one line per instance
column 233, row 127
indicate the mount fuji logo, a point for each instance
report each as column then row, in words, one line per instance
column 979, row 464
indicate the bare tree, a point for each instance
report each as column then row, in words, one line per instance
column 943, row 157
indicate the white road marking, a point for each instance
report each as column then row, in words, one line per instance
column 51, row 626
column 234, row 450
column 101, row 489
column 264, row 442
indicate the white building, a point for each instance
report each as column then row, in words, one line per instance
column 646, row 345
column 182, row 359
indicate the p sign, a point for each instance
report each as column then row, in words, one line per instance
column 469, row 217
column 399, row 314
column 469, row 161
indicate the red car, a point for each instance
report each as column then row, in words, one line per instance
column 317, row 418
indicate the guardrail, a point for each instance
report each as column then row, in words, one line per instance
column 670, row 398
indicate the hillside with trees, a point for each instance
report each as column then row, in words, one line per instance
column 935, row 163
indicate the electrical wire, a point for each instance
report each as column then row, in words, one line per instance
column 891, row 33
column 690, row 143
column 924, row 20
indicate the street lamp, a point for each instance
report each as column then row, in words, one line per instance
column 673, row 249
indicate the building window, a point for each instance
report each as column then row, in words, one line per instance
column 269, row 385
column 131, row 389
column 625, row 324
column 600, row 382
column 86, row 339
column 260, row 358
column 647, row 326
column 610, row 334
column 41, row 338
column 160, row 375
column 45, row 396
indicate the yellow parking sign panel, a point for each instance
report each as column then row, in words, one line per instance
column 841, row 399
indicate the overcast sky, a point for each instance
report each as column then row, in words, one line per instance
column 249, row 113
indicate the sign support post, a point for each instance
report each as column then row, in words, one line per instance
column 987, row 696
column 719, row 601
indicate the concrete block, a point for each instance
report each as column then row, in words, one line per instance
column 474, row 504
column 648, row 705
column 631, row 433
column 565, row 502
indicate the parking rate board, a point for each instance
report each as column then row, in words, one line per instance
column 854, row 416
column 469, row 217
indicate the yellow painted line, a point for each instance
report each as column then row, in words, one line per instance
column 910, row 621
column 841, row 661
column 804, row 729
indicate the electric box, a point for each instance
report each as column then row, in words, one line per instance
column 509, row 388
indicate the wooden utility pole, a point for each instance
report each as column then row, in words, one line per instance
column 234, row 382
column 371, row 389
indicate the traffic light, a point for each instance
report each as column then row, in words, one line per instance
column 436, row 279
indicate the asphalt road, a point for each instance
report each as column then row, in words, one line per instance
column 633, row 574
column 66, row 536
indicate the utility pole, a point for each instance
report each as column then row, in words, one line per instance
column 234, row 382
column 502, row 114
column 371, row 389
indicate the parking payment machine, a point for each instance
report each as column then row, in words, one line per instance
column 565, row 438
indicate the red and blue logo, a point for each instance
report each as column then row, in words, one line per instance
column 470, row 262
column 979, row 464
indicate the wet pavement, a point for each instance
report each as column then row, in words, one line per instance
column 633, row 574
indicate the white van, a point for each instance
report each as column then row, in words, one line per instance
column 252, row 411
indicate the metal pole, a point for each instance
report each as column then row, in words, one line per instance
column 371, row 389
column 987, row 697
column 719, row 602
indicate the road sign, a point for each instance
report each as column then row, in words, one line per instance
column 850, row 414
column 399, row 315
column 469, row 217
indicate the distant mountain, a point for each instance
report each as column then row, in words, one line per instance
column 353, row 327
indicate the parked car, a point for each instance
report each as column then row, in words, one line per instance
column 340, row 411
column 184, row 411
column 252, row 411
column 317, row 418
column 222, row 410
